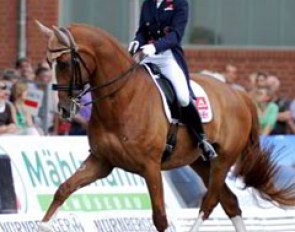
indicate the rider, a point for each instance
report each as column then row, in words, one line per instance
column 161, row 28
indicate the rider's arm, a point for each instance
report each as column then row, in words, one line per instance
column 178, row 25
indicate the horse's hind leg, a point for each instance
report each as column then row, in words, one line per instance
column 90, row 171
column 227, row 199
column 230, row 204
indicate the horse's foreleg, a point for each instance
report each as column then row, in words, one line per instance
column 155, row 186
column 90, row 171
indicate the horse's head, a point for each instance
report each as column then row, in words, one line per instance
column 73, row 64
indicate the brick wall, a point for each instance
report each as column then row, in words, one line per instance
column 45, row 11
column 276, row 62
column 8, row 32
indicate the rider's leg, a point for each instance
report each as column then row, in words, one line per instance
column 174, row 73
column 192, row 118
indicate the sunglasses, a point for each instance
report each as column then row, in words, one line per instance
column 3, row 87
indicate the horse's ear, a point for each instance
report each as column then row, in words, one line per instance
column 45, row 30
column 61, row 36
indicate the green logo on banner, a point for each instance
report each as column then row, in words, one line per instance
column 100, row 202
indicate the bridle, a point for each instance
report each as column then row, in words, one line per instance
column 76, row 82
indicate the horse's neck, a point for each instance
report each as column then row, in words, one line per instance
column 110, row 68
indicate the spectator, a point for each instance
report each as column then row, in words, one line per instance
column 252, row 80
column 24, row 119
column 47, row 117
column 267, row 110
column 252, row 84
column 26, row 72
column 80, row 121
column 10, row 77
column 261, row 80
column 231, row 76
column 25, row 69
column 285, row 123
column 7, row 113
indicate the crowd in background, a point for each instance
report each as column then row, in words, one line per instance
column 28, row 106
column 276, row 112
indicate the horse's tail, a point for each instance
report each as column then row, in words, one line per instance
column 258, row 167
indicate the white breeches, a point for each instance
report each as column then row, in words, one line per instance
column 173, row 72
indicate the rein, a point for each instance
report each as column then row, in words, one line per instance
column 114, row 80
column 76, row 83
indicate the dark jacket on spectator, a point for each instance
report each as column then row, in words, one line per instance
column 6, row 116
column 281, row 128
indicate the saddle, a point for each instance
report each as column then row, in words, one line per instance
column 172, row 107
column 168, row 90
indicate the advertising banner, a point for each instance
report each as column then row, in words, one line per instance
column 140, row 221
column 41, row 164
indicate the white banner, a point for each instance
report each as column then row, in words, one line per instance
column 117, row 203
column 140, row 221
column 41, row 164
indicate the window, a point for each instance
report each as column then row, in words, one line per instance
column 111, row 15
column 242, row 23
column 212, row 22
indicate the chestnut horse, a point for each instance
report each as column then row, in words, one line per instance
column 128, row 127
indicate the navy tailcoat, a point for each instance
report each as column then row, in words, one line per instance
column 164, row 27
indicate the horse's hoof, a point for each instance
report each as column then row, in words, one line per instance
column 198, row 223
column 44, row 227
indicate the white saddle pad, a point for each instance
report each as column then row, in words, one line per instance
column 202, row 102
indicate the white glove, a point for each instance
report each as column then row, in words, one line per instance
column 148, row 49
column 133, row 46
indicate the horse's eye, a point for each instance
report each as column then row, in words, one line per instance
column 62, row 64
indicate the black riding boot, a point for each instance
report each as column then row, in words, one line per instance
column 192, row 118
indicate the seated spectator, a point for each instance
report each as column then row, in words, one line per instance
column 25, row 69
column 24, row 119
column 26, row 72
column 48, row 111
column 285, row 123
column 251, row 85
column 7, row 113
column 261, row 80
column 267, row 110
column 231, row 76
column 252, row 80
column 10, row 77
